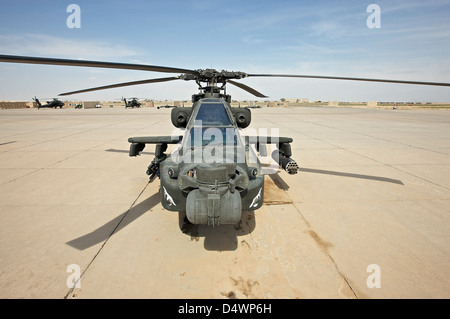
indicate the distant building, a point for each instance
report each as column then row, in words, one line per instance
column 91, row 104
column 16, row 105
column 296, row 100
column 333, row 103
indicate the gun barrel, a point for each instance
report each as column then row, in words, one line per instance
column 286, row 163
column 290, row 166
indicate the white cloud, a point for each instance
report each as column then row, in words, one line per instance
column 45, row 45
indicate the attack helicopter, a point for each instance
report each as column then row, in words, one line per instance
column 55, row 103
column 133, row 103
column 212, row 173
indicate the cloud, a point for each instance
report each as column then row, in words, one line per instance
column 252, row 40
column 46, row 45
column 402, row 6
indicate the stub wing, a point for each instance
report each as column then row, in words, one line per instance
column 156, row 139
column 138, row 143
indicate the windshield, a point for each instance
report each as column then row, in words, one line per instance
column 213, row 114
column 202, row 136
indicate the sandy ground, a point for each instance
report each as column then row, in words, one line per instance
column 366, row 217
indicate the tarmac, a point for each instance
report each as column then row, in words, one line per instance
column 367, row 216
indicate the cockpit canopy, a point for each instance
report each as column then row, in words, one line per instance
column 212, row 112
column 212, row 124
column 202, row 136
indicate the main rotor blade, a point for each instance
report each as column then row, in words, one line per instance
column 121, row 85
column 92, row 64
column 349, row 78
column 246, row 88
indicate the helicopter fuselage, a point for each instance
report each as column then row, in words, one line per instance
column 55, row 103
column 212, row 173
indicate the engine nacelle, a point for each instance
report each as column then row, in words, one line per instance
column 180, row 116
column 243, row 116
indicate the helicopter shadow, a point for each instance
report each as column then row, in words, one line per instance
column 218, row 238
column 103, row 233
column 221, row 238
column 6, row 143
column 353, row 175
column 113, row 150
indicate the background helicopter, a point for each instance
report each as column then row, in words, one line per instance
column 55, row 103
column 210, row 192
column 133, row 103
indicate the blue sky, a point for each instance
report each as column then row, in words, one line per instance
column 287, row 37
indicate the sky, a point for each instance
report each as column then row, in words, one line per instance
column 323, row 37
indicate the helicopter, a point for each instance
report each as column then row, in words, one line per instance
column 55, row 103
column 133, row 103
column 212, row 173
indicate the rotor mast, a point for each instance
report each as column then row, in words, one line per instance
column 212, row 78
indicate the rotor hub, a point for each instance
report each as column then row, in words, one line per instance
column 212, row 76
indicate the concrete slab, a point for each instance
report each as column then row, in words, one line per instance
column 373, row 190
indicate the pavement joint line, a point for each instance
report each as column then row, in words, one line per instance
column 401, row 170
column 42, row 168
column 367, row 135
column 43, row 130
column 107, row 239
column 73, row 155
column 60, row 137
column 48, row 166
column 384, row 164
column 324, row 250
column 419, row 177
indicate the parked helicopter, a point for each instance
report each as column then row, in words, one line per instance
column 55, row 103
column 133, row 103
column 211, row 174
